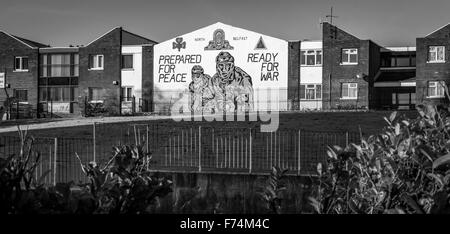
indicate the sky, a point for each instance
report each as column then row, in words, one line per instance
column 78, row 22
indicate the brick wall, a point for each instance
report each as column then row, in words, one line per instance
column 334, row 74
column 110, row 47
column 147, row 77
column 9, row 48
column 432, row 71
column 294, row 73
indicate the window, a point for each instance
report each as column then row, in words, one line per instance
column 96, row 62
column 311, row 57
column 349, row 91
column 436, row 89
column 127, row 93
column 58, row 94
column 20, row 63
column 60, row 65
column 96, row 94
column 349, row 56
column 21, row 95
column 127, row 61
column 436, row 54
column 311, row 91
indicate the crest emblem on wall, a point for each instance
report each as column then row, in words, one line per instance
column 179, row 44
column 218, row 42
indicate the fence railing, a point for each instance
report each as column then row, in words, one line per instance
column 187, row 149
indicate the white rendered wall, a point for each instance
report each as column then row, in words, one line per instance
column 133, row 77
column 311, row 75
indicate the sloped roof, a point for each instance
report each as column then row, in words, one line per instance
column 437, row 30
column 32, row 43
column 128, row 38
column 27, row 42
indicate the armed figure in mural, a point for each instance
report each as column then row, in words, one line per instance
column 232, row 86
column 201, row 93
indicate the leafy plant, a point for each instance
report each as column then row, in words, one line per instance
column 405, row 169
column 124, row 184
column 271, row 194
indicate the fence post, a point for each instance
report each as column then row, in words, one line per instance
column 55, row 161
column 199, row 148
column 17, row 110
column 51, row 108
column 250, row 153
column 94, row 140
column 146, row 137
column 299, row 150
column 346, row 138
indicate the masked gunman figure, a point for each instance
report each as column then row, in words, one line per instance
column 201, row 94
column 232, row 86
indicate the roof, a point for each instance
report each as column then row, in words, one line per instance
column 127, row 36
column 32, row 43
column 29, row 43
column 437, row 29
column 396, row 75
column 59, row 50
column 399, row 49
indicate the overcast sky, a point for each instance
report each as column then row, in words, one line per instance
column 62, row 22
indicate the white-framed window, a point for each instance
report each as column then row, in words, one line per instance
column 349, row 56
column 127, row 61
column 310, row 91
column 349, row 90
column 436, row 89
column 127, row 93
column 311, row 57
column 96, row 62
column 21, row 63
column 436, row 54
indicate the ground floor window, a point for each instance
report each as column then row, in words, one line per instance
column 311, row 91
column 21, row 95
column 436, row 89
column 349, row 90
column 58, row 93
column 127, row 93
column 96, row 94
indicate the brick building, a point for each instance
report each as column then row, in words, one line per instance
column 111, row 71
column 340, row 71
column 433, row 66
column 19, row 61
column 349, row 68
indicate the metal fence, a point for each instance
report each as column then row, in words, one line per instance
column 186, row 149
column 201, row 148
column 57, row 157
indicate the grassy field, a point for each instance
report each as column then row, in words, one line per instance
column 369, row 122
column 169, row 139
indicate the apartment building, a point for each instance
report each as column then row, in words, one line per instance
column 19, row 68
column 128, row 73
column 433, row 66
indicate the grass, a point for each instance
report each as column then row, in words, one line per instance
column 369, row 122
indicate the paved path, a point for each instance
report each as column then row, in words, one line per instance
column 88, row 121
column 79, row 122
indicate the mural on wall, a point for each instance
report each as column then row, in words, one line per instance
column 230, row 89
column 245, row 71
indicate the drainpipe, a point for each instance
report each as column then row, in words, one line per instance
column 120, row 73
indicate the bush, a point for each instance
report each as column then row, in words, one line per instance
column 405, row 169
column 123, row 186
